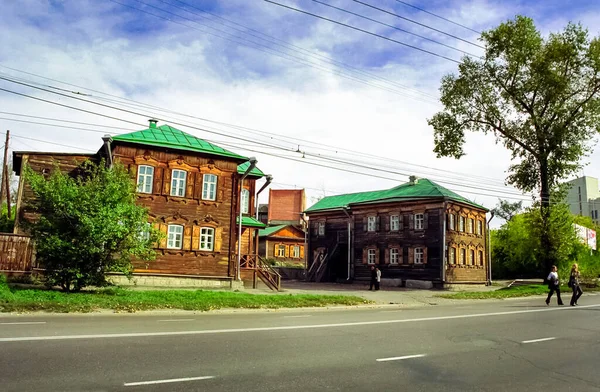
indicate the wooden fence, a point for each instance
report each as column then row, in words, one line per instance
column 16, row 253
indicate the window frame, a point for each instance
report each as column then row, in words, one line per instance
column 280, row 250
column 177, row 183
column 371, row 252
column 144, row 234
column 321, row 228
column 452, row 222
column 395, row 252
column 296, row 252
column 452, row 255
column 394, row 222
column 479, row 227
column 245, row 201
column 141, row 185
column 371, row 220
column 470, row 225
column 480, row 256
column 471, row 256
column 419, row 255
column 173, row 245
column 462, row 256
column 212, row 187
column 420, row 221
column 461, row 224
column 204, row 236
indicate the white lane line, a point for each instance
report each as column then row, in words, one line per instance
column 537, row 340
column 302, row 316
column 400, row 358
column 174, row 320
column 24, row 323
column 290, row 327
column 133, row 384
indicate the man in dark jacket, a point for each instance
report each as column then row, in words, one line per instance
column 373, row 278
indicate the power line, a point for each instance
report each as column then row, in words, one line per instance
column 420, row 24
column 274, row 40
column 269, row 50
column 363, row 31
column 395, row 28
column 438, row 16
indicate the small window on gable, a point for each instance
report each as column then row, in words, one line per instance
column 394, row 223
column 321, row 228
column 145, row 179
column 209, row 187
column 419, row 221
column 419, row 256
column 178, row 178
column 394, row 256
column 175, row 236
column 371, row 256
column 372, row 223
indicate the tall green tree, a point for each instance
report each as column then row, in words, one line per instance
column 507, row 210
column 89, row 224
column 538, row 96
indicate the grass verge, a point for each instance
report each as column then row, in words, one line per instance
column 123, row 300
column 512, row 292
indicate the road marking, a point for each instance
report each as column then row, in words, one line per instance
column 537, row 340
column 174, row 320
column 286, row 328
column 24, row 323
column 302, row 316
column 133, row 384
column 400, row 358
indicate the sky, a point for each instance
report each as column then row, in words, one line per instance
column 300, row 94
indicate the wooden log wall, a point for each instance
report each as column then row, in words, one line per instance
column 16, row 253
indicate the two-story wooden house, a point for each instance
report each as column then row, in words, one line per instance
column 418, row 231
column 193, row 192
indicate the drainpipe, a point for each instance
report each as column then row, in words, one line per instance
column 239, row 256
column 107, row 139
column 345, row 209
column 489, row 247
column 305, row 244
column 269, row 179
column 444, row 245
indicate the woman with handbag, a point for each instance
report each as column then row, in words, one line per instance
column 574, row 284
column 554, row 286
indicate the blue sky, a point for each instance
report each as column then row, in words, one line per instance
column 273, row 70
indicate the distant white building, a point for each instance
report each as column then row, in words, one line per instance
column 584, row 197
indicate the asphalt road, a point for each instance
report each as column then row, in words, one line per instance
column 512, row 345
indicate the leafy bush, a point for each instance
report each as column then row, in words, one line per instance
column 7, row 222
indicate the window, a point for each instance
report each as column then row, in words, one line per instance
column 321, row 228
column 419, row 256
column 280, row 250
column 296, row 252
column 461, row 223
column 245, row 201
column 451, row 222
column 419, row 221
column 209, row 187
column 207, row 238
column 463, row 256
column 394, row 223
column 145, row 232
column 145, row 179
column 472, row 257
column 480, row 257
column 178, row 183
column 175, row 236
column 372, row 223
column 470, row 226
column 452, row 256
column 371, row 256
column 479, row 228
column 394, row 255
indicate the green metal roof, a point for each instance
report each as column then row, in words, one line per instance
column 249, row 221
column 423, row 189
column 256, row 172
column 169, row 137
column 270, row 230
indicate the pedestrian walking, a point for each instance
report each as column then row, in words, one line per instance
column 378, row 278
column 574, row 284
column 374, row 283
column 554, row 286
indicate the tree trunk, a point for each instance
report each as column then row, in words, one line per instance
column 547, row 255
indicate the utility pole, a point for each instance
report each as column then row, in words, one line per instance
column 5, row 180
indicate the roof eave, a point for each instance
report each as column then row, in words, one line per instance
column 239, row 159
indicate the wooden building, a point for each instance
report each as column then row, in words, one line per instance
column 282, row 243
column 418, row 231
column 193, row 192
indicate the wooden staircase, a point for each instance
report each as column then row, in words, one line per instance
column 268, row 275
column 319, row 266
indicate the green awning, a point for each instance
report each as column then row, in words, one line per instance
column 248, row 221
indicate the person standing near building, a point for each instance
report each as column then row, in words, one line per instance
column 574, row 284
column 378, row 278
column 554, row 286
column 373, row 278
